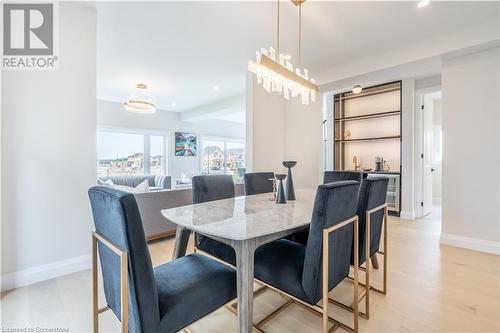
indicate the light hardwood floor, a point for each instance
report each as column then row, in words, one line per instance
column 432, row 288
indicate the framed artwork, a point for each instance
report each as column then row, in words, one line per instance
column 185, row 144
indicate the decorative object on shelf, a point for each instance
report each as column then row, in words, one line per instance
column 280, row 195
column 378, row 163
column 185, row 144
column 356, row 163
column 140, row 101
column 275, row 71
column 347, row 134
column 290, row 191
column 275, row 187
column 385, row 166
column 357, row 89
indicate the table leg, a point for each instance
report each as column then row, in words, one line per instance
column 244, row 279
column 181, row 242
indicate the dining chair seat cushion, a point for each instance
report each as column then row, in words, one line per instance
column 217, row 249
column 191, row 287
column 280, row 264
column 300, row 236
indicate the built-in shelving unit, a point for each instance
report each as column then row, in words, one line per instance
column 368, row 125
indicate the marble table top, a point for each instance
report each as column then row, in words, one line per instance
column 245, row 217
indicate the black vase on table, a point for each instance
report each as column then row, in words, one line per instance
column 280, row 195
column 290, row 191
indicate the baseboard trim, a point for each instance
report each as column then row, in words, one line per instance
column 407, row 215
column 475, row 244
column 45, row 272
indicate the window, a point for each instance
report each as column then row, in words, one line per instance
column 223, row 156
column 130, row 153
column 157, row 161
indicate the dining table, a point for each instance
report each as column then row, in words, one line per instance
column 244, row 223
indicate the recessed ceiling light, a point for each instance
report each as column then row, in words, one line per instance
column 357, row 89
column 423, row 3
column 215, row 87
column 174, row 104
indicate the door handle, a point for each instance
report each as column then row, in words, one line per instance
column 432, row 169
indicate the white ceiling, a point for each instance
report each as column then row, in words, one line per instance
column 182, row 49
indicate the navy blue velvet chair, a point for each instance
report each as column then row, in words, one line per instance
column 258, row 182
column 328, row 177
column 167, row 298
column 340, row 175
column 210, row 188
column 372, row 213
column 297, row 270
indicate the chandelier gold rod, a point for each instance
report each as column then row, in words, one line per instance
column 278, row 29
column 300, row 32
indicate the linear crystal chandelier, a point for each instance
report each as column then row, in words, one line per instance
column 276, row 73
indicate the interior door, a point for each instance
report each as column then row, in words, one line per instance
column 428, row 131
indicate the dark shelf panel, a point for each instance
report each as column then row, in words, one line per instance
column 370, row 116
column 370, row 139
column 349, row 95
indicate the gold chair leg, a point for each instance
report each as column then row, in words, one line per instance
column 123, row 283
column 124, row 291
column 356, row 275
column 326, row 298
column 367, row 265
column 386, row 213
column 326, row 242
column 95, row 305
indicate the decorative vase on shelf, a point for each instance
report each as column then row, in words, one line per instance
column 290, row 191
column 280, row 195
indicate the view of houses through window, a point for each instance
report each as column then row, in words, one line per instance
column 120, row 153
column 223, row 157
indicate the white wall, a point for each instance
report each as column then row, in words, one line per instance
column 49, row 158
column 111, row 114
column 265, row 127
column 303, row 141
column 284, row 130
column 437, row 173
column 471, row 127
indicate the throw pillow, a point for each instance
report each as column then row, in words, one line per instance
column 108, row 182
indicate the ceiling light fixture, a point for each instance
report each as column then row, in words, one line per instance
column 357, row 89
column 140, row 101
column 174, row 103
column 423, row 3
column 276, row 73
column 215, row 88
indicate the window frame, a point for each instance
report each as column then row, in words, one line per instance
column 223, row 139
column 146, row 133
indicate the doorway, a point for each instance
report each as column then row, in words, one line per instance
column 429, row 147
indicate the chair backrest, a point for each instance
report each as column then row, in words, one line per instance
column 334, row 203
column 258, row 182
column 337, row 176
column 116, row 218
column 372, row 193
column 212, row 187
